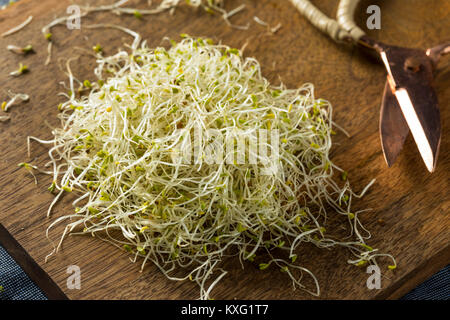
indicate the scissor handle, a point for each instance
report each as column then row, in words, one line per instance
column 344, row 29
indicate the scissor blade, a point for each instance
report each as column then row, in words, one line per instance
column 393, row 127
column 422, row 115
column 410, row 76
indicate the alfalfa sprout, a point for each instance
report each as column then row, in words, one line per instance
column 118, row 153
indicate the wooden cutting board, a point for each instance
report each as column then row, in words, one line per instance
column 413, row 203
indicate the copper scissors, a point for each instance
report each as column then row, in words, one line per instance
column 409, row 102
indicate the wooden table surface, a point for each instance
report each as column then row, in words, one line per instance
column 413, row 203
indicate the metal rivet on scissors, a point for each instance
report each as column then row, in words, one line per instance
column 409, row 101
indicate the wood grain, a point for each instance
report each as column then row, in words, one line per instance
column 413, row 203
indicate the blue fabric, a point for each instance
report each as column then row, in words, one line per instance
column 435, row 288
column 18, row 286
column 3, row 2
column 14, row 282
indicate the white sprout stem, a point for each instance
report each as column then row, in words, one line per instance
column 135, row 35
column 17, row 28
column 15, row 49
column 49, row 53
column 14, row 99
column 261, row 22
